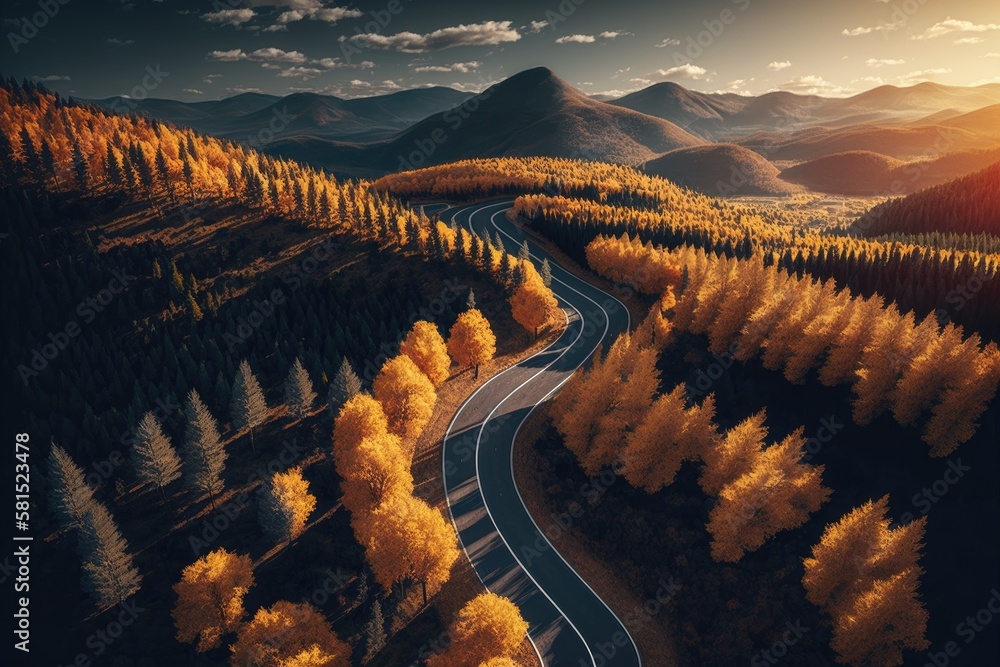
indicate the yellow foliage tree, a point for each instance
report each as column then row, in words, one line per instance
column 487, row 627
column 372, row 473
column 210, row 598
column 778, row 493
column 734, row 456
column 361, row 417
column 865, row 576
column 405, row 538
column 407, row 397
column 471, row 341
column 881, row 623
column 289, row 635
column 425, row 346
column 286, row 505
column 533, row 305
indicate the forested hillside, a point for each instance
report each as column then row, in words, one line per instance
column 189, row 316
column 969, row 205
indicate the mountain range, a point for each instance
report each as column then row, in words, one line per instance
column 701, row 140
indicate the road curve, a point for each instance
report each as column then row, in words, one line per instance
column 569, row 624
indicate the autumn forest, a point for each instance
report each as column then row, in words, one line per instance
column 278, row 405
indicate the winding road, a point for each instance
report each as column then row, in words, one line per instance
column 569, row 624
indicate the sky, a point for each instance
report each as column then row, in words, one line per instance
column 213, row 49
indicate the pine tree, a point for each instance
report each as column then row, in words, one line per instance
column 299, row 393
column 204, row 454
column 523, row 253
column 546, row 273
column 345, row 385
column 109, row 573
column 374, row 632
column 153, row 457
column 70, row 495
column 249, row 408
column 470, row 300
column 285, row 505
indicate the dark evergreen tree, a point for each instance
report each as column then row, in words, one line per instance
column 153, row 457
column 248, row 407
column 204, row 454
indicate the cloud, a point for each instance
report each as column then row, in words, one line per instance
column 950, row 25
column 240, row 89
column 210, row 78
column 922, row 75
column 51, row 77
column 234, row 17
column 538, row 26
column 687, row 71
column 881, row 27
column 669, row 41
column 983, row 82
column 265, row 55
column 227, row 56
column 970, row 40
column 193, row 91
column 487, row 33
column 614, row 34
column 618, row 73
column 575, row 39
column 778, row 66
column 297, row 72
column 880, row 62
column 115, row 41
column 318, row 13
column 463, row 68
column 876, row 80
column 812, row 84
column 992, row 55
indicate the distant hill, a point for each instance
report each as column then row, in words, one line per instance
column 903, row 143
column 531, row 113
column 730, row 115
column 696, row 112
column 984, row 121
column 969, row 205
column 244, row 117
column 869, row 173
column 851, row 172
column 720, row 169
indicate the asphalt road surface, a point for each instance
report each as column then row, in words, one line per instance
column 569, row 623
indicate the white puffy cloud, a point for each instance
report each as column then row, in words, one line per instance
column 319, row 13
column 812, row 84
column 687, row 71
column 867, row 30
column 777, row 66
column 669, row 41
column 232, row 17
column 950, row 25
column 487, row 33
column 882, row 62
column 463, row 68
column 576, row 39
column 970, row 40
